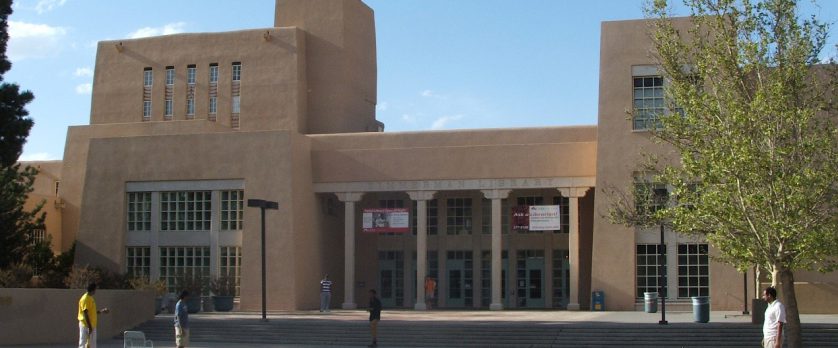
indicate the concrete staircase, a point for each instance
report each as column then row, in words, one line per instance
column 394, row 333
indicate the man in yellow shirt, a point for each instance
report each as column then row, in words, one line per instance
column 88, row 318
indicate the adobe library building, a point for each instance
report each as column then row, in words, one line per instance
column 185, row 128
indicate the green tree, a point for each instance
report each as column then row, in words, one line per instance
column 16, row 223
column 754, row 123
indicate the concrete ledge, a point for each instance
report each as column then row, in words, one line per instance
column 48, row 316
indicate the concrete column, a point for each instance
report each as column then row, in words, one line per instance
column 496, row 196
column 421, row 198
column 573, row 194
column 349, row 199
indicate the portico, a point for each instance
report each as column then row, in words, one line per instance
column 491, row 191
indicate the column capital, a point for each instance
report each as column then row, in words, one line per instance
column 421, row 195
column 573, row 192
column 349, row 196
column 496, row 193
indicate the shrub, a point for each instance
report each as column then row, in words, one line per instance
column 16, row 276
column 143, row 283
column 223, row 286
column 80, row 277
column 189, row 281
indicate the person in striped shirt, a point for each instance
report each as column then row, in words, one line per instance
column 325, row 293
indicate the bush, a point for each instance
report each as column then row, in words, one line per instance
column 16, row 276
column 194, row 283
column 223, row 286
column 143, row 283
column 80, row 277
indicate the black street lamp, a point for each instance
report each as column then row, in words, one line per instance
column 662, row 281
column 262, row 205
column 745, row 292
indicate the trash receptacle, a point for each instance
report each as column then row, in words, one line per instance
column 598, row 300
column 701, row 309
column 650, row 302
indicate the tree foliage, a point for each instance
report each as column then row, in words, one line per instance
column 755, row 128
column 16, row 223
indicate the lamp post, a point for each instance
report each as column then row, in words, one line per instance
column 662, row 280
column 262, row 205
column 745, row 291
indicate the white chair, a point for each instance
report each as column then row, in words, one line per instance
column 133, row 339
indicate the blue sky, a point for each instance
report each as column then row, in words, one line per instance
column 442, row 64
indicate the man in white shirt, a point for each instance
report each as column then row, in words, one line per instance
column 775, row 317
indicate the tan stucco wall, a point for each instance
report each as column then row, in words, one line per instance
column 43, row 191
column 48, row 316
column 466, row 154
column 340, row 62
column 272, row 85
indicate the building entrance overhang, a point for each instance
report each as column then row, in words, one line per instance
column 455, row 184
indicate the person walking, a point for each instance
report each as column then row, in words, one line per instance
column 430, row 287
column 182, row 320
column 325, row 293
column 88, row 318
column 375, row 317
column 775, row 318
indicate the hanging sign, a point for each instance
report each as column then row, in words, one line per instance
column 520, row 218
column 380, row 220
column 545, row 218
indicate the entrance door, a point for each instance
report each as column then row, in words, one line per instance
column 458, row 270
column 530, row 279
column 391, row 278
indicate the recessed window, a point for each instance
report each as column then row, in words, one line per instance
column 139, row 211
column 147, row 109
column 230, row 264
column 191, row 71
column 148, row 77
column 232, row 210
column 213, row 105
column 648, row 102
column 170, row 75
column 693, row 270
column 184, row 261
column 138, row 262
column 237, row 71
column 190, row 106
column 213, row 73
column 185, row 211
column 236, row 104
column 648, row 268
column 169, row 107
column 432, row 218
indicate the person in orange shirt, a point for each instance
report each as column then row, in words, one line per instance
column 430, row 287
column 88, row 318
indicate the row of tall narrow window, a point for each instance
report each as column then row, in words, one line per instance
column 191, row 81
column 176, row 261
column 185, row 210
column 693, row 269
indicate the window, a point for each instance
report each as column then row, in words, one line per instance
column 432, row 220
column 39, row 235
column 236, row 104
column 564, row 213
column 459, row 216
column 650, row 197
column 169, row 107
column 561, row 278
column 213, row 73
column 57, row 184
column 138, row 262
column 693, row 270
column 648, row 102
column 139, row 211
column 191, row 70
column 230, row 262
column 237, row 71
column 190, row 106
column 648, row 268
column 232, row 210
column 213, row 105
column 170, row 75
column 392, row 279
column 185, row 211
column 148, row 78
column 146, row 109
column 178, row 261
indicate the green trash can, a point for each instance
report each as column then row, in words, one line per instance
column 650, row 302
column 701, row 309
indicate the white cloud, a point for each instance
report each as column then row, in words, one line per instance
column 382, row 106
column 408, row 118
column 427, row 93
column 83, row 72
column 171, row 28
column 84, row 88
column 441, row 122
column 48, row 5
column 30, row 40
column 38, row 156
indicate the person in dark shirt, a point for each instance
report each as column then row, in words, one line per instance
column 375, row 317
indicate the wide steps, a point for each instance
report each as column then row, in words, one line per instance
column 327, row 332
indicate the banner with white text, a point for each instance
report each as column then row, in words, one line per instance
column 381, row 220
